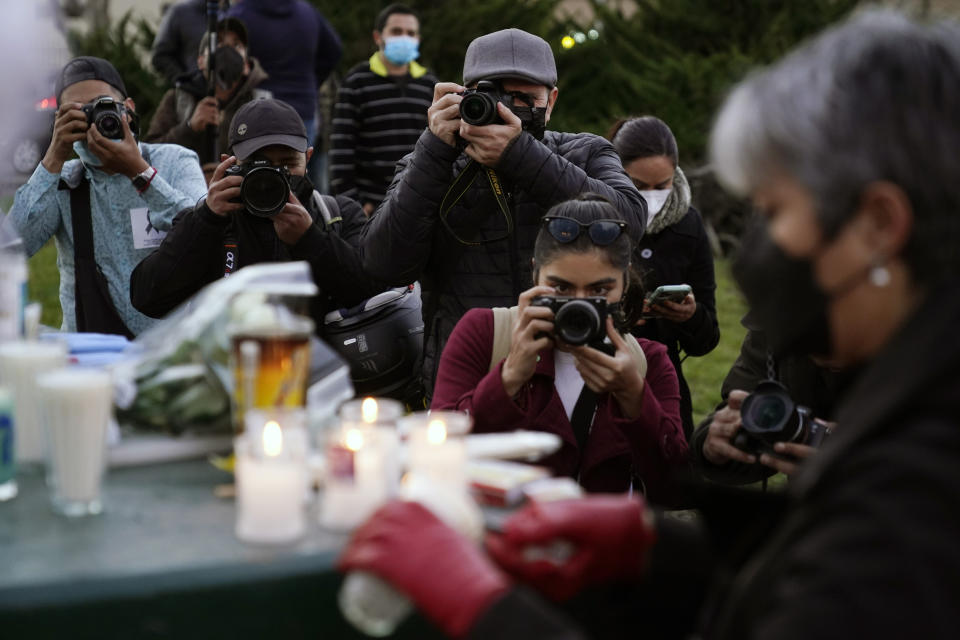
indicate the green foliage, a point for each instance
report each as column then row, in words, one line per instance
column 127, row 45
column 706, row 373
column 676, row 59
column 43, row 284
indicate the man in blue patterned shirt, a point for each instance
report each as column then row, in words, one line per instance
column 109, row 209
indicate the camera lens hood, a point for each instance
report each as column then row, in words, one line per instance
column 264, row 191
column 770, row 414
column 578, row 322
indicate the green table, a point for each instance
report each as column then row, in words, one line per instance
column 162, row 561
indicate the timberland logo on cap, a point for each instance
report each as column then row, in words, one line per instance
column 242, row 129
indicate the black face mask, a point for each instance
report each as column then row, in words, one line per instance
column 302, row 188
column 532, row 119
column 783, row 295
column 228, row 67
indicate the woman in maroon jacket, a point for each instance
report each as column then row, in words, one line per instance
column 627, row 430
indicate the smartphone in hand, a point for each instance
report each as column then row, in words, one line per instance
column 671, row 292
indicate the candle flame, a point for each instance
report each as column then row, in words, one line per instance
column 353, row 439
column 436, row 432
column 272, row 439
column 369, row 410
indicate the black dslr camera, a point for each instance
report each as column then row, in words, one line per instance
column 577, row 321
column 106, row 114
column 265, row 188
column 769, row 415
column 479, row 106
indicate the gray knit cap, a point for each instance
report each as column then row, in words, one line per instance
column 510, row 53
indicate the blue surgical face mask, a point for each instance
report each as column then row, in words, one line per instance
column 401, row 49
column 86, row 156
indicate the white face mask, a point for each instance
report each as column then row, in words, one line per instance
column 655, row 198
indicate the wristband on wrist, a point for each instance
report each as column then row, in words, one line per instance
column 142, row 181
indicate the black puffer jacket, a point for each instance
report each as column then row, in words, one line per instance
column 405, row 239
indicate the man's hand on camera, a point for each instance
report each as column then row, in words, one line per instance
column 521, row 362
column 791, row 454
column 443, row 116
column 117, row 156
column 487, row 143
column 204, row 114
column 292, row 221
column 69, row 126
column 718, row 447
column 796, row 454
column 223, row 195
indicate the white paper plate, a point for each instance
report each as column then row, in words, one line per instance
column 514, row 445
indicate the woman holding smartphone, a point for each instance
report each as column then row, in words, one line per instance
column 627, row 432
column 674, row 249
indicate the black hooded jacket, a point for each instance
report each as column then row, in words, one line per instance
column 194, row 254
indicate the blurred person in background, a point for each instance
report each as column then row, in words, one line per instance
column 175, row 45
column 615, row 406
column 464, row 207
column 298, row 49
column 854, row 257
column 381, row 110
column 674, row 249
column 185, row 112
column 109, row 208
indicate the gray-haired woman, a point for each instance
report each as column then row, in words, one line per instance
column 849, row 147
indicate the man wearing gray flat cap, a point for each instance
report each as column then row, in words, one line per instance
column 464, row 208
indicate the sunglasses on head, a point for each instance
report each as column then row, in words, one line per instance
column 601, row 232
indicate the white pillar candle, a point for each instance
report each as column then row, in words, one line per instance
column 270, row 481
column 76, row 409
column 20, row 362
column 436, row 446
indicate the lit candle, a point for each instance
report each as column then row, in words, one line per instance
column 270, row 481
column 361, row 461
column 437, row 448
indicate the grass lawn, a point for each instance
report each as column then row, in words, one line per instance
column 706, row 374
column 703, row 374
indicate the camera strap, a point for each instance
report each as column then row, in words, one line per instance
column 95, row 311
column 582, row 419
column 463, row 182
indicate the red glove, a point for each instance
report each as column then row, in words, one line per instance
column 444, row 574
column 561, row 547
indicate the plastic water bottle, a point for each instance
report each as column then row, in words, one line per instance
column 13, row 281
column 371, row 604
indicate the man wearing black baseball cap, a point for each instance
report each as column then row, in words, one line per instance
column 107, row 210
column 464, row 207
column 260, row 207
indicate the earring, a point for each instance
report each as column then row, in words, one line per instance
column 879, row 276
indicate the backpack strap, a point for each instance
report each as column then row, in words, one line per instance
column 636, row 352
column 328, row 208
column 503, row 321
